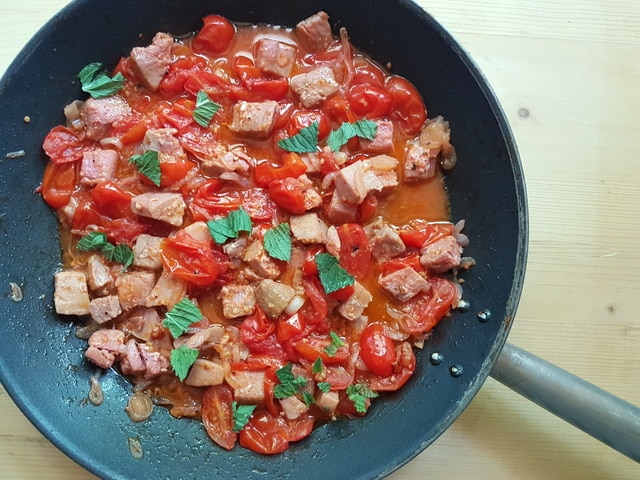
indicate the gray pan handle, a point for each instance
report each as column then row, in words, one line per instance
column 600, row 414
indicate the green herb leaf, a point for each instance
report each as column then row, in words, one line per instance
column 97, row 83
column 97, row 241
column 181, row 316
column 277, row 242
column 305, row 141
column 308, row 398
column 148, row 164
column 181, row 360
column 336, row 343
column 332, row 276
column 226, row 228
column 241, row 415
column 93, row 241
column 317, row 366
column 359, row 394
column 289, row 384
column 205, row 109
column 324, row 387
column 362, row 128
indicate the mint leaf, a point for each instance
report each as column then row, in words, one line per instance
column 362, row 128
column 305, row 141
column 241, row 415
column 308, row 398
column 289, row 384
column 182, row 358
column 148, row 164
column 226, row 228
column 205, row 109
column 359, row 394
column 277, row 242
column 317, row 366
column 332, row 276
column 336, row 343
column 181, row 316
column 93, row 241
column 97, row 83
column 324, row 387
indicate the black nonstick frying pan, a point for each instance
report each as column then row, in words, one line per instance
column 41, row 363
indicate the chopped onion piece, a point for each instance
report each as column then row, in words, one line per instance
column 294, row 305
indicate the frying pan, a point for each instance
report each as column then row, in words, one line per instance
column 487, row 189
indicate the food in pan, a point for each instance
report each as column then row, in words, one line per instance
column 254, row 227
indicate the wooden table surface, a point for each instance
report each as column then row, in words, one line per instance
column 568, row 77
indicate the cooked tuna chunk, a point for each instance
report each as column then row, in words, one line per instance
column 260, row 262
column 328, row 401
column 167, row 291
column 138, row 360
column 385, row 241
column 200, row 339
column 350, row 185
column 273, row 297
column 250, row 388
column 104, row 346
column 205, row 372
column 142, row 323
column 354, row 306
column 163, row 206
column 151, row 63
column 308, row 228
column 71, row 296
column 224, row 160
column 237, row 300
column 235, row 248
column 98, row 274
column 442, row 255
column 103, row 309
column 314, row 86
column 293, row 407
column 383, row 141
column 134, row 288
column 274, row 57
column 163, row 141
column 314, row 33
column 146, row 252
column 99, row 114
column 341, row 211
column 404, row 284
column 98, row 166
column 253, row 119
column 419, row 163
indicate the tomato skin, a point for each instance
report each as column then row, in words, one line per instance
column 112, row 200
column 192, row 260
column 265, row 434
column 368, row 74
column 313, row 347
column 172, row 84
column 425, row 310
column 292, row 167
column 407, row 107
column 425, row 235
column 394, row 264
column 369, row 101
column 304, row 118
column 377, row 350
column 172, row 172
column 355, row 250
column 62, row 145
column 209, row 202
column 58, row 183
column 288, row 195
column 402, row 370
column 215, row 37
column 258, row 333
column 338, row 109
column 217, row 415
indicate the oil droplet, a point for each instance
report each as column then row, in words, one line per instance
column 455, row 371
column 135, row 447
column 436, row 358
column 484, row 315
column 96, row 396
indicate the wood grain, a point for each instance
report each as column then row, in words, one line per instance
column 568, row 77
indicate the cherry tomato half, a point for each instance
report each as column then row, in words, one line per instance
column 215, row 36
column 217, row 415
column 407, row 107
column 377, row 350
column 58, row 183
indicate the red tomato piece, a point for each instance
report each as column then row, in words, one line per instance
column 192, row 260
column 367, row 209
column 292, row 167
column 290, row 327
column 209, row 202
column 265, row 433
column 135, row 134
column 258, row 204
column 377, row 350
column 369, row 101
column 407, row 107
column 258, row 333
column 304, row 118
column 85, row 213
column 112, row 200
column 288, row 195
column 215, row 37
column 173, row 82
column 425, row 235
column 315, row 309
column 58, row 183
column 172, row 172
column 368, row 74
column 343, row 294
column 62, row 145
column 315, row 346
column 338, row 109
column 410, row 260
column 217, row 415
column 123, row 230
column 402, row 370
column 355, row 251
column 425, row 310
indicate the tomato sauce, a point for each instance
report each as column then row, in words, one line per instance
column 260, row 223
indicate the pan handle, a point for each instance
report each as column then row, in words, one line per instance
column 600, row 414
